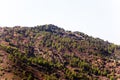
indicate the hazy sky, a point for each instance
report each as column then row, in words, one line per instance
column 99, row 18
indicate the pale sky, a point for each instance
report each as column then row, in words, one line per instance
column 97, row 18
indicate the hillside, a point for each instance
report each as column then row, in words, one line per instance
column 47, row 52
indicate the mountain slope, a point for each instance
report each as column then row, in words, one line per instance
column 47, row 52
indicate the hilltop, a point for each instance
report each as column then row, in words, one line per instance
column 48, row 52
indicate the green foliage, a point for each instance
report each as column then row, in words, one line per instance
column 51, row 53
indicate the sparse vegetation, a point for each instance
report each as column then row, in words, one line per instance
column 51, row 53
